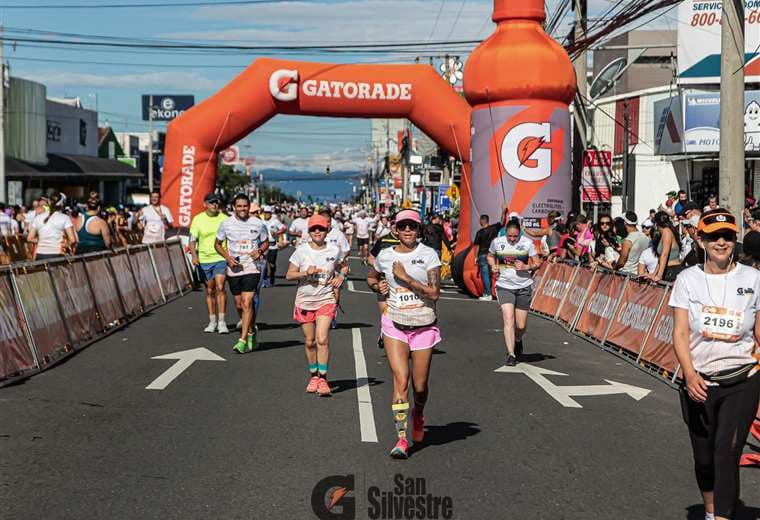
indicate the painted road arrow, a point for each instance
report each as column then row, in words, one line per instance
column 184, row 358
column 562, row 394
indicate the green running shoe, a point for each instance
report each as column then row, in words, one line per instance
column 251, row 342
column 240, row 347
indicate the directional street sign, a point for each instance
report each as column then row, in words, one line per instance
column 184, row 358
column 563, row 394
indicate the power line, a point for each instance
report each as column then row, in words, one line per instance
column 149, row 5
column 437, row 19
column 456, row 20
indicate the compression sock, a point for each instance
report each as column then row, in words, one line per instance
column 322, row 370
column 313, row 369
column 400, row 413
column 419, row 406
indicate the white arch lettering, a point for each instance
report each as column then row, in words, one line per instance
column 287, row 91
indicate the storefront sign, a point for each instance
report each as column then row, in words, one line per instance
column 702, row 121
column 595, row 179
column 699, row 41
column 165, row 108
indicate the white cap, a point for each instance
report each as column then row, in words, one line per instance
column 267, row 209
column 647, row 223
column 514, row 215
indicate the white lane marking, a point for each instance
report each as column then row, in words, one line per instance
column 366, row 415
column 184, row 358
column 351, row 285
column 562, row 394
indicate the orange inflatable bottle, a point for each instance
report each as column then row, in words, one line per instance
column 519, row 83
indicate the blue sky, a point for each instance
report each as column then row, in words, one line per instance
column 286, row 141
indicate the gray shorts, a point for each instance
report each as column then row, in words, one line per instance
column 520, row 298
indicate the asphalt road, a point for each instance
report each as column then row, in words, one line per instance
column 240, row 439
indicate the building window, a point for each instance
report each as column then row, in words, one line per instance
column 53, row 131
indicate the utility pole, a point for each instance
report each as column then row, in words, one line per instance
column 3, row 196
column 626, row 130
column 150, row 144
column 580, row 64
column 731, row 161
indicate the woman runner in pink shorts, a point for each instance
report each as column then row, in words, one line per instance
column 319, row 268
column 409, row 274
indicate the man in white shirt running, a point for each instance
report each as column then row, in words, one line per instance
column 247, row 241
column 299, row 228
column 155, row 219
column 362, row 234
column 276, row 229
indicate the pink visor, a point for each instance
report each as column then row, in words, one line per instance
column 408, row 214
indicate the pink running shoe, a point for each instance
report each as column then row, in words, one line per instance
column 401, row 450
column 418, row 426
column 313, row 385
column 323, row 389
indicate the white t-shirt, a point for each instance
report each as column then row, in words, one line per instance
column 382, row 230
column 721, row 316
column 506, row 254
column 649, row 259
column 405, row 306
column 348, row 227
column 315, row 291
column 299, row 228
column 273, row 226
column 243, row 238
column 8, row 225
column 155, row 230
column 338, row 239
column 50, row 234
column 362, row 226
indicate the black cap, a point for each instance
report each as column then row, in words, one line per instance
column 689, row 206
column 212, row 197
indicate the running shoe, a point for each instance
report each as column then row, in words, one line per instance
column 486, row 298
column 222, row 328
column 418, row 426
column 313, row 385
column 211, row 327
column 518, row 348
column 511, row 360
column 240, row 347
column 334, row 324
column 239, row 325
column 401, row 450
column 265, row 284
column 251, row 343
column 323, row 389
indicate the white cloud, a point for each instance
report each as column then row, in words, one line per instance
column 172, row 79
column 347, row 159
column 345, row 22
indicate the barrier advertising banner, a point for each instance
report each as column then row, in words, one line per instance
column 635, row 316
column 45, row 320
column 146, row 277
column 658, row 349
column 163, row 265
column 578, row 290
column 177, row 256
column 106, row 293
column 15, row 354
column 555, row 284
column 604, row 293
column 129, row 294
column 77, row 301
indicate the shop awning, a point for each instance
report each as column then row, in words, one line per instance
column 60, row 165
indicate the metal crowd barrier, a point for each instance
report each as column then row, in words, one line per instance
column 614, row 311
column 50, row 309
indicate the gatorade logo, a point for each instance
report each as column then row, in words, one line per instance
column 283, row 85
column 523, row 152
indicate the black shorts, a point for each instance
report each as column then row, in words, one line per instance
column 245, row 283
column 363, row 241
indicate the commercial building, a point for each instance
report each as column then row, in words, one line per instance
column 53, row 145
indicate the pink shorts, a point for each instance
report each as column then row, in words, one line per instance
column 304, row 316
column 417, row 339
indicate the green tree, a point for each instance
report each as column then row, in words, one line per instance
column 229, row 182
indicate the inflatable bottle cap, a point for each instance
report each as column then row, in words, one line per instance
column 517, row 9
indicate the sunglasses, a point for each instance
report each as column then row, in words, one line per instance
column 728, row 236
column 317, row 229
column 407, row 224
column 213, row 202
column 605, row 223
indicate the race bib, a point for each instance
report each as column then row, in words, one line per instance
column 320, row 277
column 721, row 324
column 245, row 247
column 404, row 299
